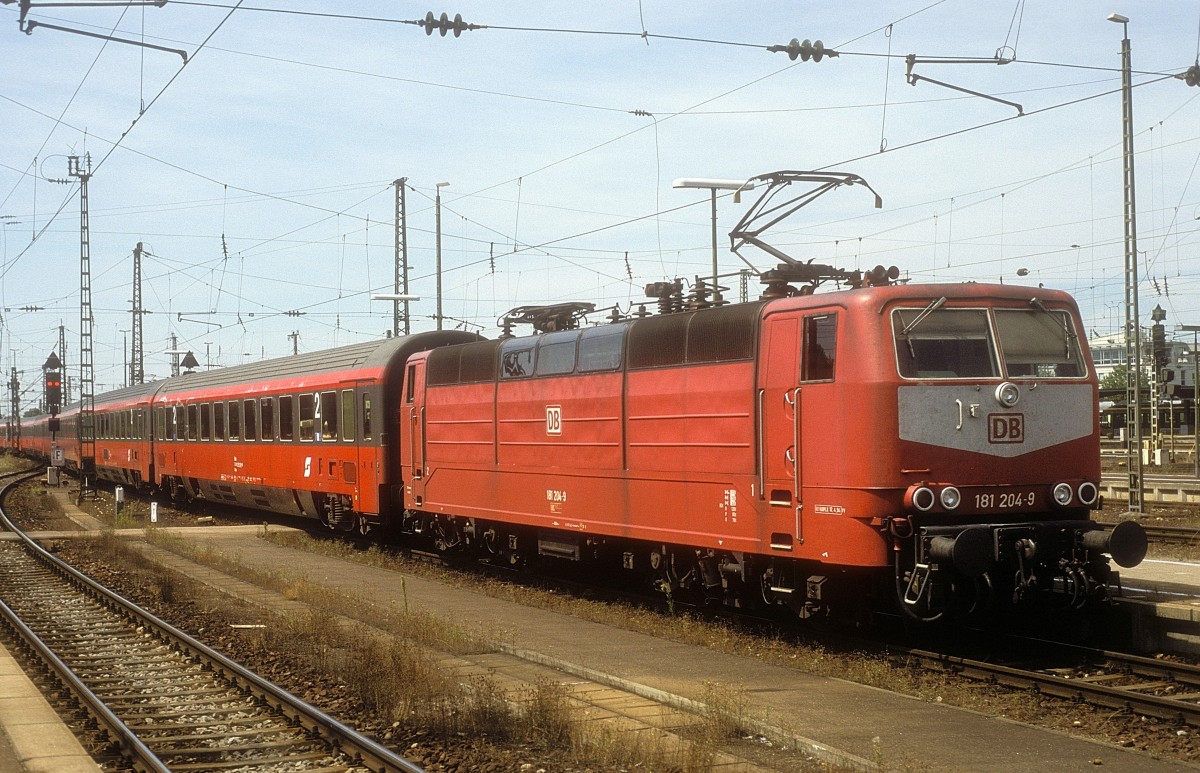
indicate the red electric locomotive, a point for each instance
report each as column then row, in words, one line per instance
column 940, row 441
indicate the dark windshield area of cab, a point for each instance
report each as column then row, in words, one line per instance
column 979, row 343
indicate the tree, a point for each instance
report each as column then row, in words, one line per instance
column 1116, row 378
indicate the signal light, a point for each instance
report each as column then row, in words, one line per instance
column 53, row 390
column 806, row 50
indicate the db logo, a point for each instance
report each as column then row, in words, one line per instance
column 1006, row 428
column 553, row 420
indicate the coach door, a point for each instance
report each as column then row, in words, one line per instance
column 796, row 380
column 412, row 430
column 356, row 427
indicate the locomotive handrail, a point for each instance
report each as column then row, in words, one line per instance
column 799, row 501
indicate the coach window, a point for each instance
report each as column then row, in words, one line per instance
column 307, row 414
column 267, row 415
column 218, row 421
column 205, row 421
column 193, row 421
column 160, row 423
column 366, row 417
column 249, row 414
column 287, row 423
column 328, row 416
column 556, row 353
column 516, row 357
column 820, row 348
column 234, row 412
column 348, row 414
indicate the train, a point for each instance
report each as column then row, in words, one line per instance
column 932, row 448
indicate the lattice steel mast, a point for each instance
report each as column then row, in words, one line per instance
column 137, row 370
column 86, row 426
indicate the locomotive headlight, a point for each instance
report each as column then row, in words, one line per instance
column 1007, row 394
column 951, row 497
column 1063, row 494
column 922, row 498
column 1088, row 493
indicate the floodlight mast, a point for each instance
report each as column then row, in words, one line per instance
column 714, row 185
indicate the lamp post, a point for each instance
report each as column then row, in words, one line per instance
column 1195, row 331
column 1133, row 338
column 737, row 186
column 437, row 206
column 396, row 299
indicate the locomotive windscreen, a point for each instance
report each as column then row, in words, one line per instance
column 960, row 343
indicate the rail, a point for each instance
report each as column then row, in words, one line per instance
column 358, row 751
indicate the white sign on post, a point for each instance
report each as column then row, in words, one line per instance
column 154, row 512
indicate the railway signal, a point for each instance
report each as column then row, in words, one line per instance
column 52, row 378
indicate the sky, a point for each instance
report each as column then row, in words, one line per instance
column 258, row 174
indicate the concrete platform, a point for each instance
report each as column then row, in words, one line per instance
column 32, row 736
column 1162, row 602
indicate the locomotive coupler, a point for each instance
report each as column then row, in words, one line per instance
column 918, row 583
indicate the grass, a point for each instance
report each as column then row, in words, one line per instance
column 404, row 676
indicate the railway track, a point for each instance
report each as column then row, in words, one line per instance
column 1115, row 680
column 1174, row 535
column 165, row 701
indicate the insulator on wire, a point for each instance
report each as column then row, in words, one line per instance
column 815, row 51
column 444, row 24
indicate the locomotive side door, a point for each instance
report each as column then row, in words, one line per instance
column 412, row 432
column 778, row 393
column 800, row 350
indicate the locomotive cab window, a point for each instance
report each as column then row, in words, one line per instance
column 820, row 348
column 1039, row 343
column 937, row 342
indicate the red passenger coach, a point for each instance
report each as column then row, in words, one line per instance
column 937, row 444
column 306, row 435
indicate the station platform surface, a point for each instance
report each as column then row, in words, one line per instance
column 32, row 736
column 1162, row 602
